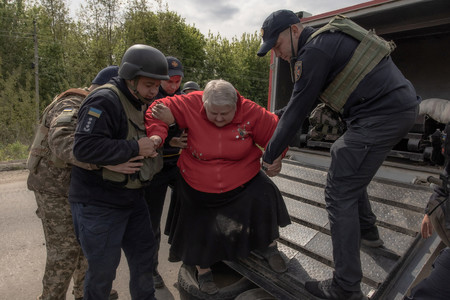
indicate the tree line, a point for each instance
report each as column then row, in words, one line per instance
column 43, row 52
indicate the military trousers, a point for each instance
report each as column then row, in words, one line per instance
column 65, row 259
column 103, row 232
column 355, row 158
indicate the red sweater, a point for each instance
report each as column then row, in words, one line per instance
column 217, row 159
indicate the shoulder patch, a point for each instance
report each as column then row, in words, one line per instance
column 298, row 70
column 94, row 112
column 89, row 121
column 66, row 116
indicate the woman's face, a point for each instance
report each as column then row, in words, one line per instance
column 220, row 115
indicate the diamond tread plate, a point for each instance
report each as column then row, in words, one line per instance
column 403, row 218
column 306, row 243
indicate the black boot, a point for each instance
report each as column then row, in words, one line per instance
column 329, row 289
column 371, row 238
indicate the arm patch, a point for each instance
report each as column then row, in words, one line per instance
column 90, row 119
column 66, row 116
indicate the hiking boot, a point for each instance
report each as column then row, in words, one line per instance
column 157, row 280
column 206, row 283
column 274, row 258
column 329, row 289
column 371, row 238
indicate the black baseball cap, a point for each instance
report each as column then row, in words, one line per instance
column 274, row 24
column 175, row 66
column 105, row 75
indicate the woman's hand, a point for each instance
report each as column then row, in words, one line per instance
column 272, row 169
column 148, row 146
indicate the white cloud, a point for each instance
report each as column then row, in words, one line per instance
column 234, row 18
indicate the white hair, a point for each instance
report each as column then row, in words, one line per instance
column 219, row 92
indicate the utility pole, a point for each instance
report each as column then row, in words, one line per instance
column 36, row 70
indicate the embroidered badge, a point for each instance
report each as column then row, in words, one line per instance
column 174, row 64
column 298, row 70
column 89, row 123
column 94, row 112
column 66, row 116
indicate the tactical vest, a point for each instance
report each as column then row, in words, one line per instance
column 327, row 124
column 370, row 51
column 40, row 147
column 136, row 130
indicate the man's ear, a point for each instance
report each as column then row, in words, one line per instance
column 295, row 31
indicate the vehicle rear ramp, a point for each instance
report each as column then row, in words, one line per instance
column 388, row 271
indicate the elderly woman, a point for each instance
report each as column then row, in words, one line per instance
column 226, row 206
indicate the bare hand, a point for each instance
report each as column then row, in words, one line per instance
column 272, row 169
column 148, row 146
column 426, row 228
column 180, row 142
column 130, row 167
column 163, row 113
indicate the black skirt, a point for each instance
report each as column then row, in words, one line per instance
column 205, row 228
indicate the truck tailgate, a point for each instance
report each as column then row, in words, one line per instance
column 306, row 243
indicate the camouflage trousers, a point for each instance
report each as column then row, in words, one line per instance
column 65, row 258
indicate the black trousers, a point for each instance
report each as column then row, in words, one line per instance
column 355, row 158
column 436, row 285
column 155, row 195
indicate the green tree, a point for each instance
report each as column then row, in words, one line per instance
column 16, row 106
column 100, row 29
column 16, row 37
column 237, row 62
column 168, row 32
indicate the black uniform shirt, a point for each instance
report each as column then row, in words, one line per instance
column 383, row 91
column 100, row 139
column 170, row 154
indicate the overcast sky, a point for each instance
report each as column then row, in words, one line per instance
column 232, row 18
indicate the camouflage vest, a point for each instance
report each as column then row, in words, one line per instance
column 136, row 130
column 40, row 147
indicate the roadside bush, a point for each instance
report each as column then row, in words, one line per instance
column 13, row 151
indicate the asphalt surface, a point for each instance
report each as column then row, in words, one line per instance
column 22, row 245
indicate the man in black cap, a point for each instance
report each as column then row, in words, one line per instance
column 155, row 193
column 378, row 113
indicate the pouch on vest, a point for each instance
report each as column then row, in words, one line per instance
column 326, row 124
column 38, row 148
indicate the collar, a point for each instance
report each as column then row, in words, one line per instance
column 307, row 31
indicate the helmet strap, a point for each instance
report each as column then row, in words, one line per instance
column 293, row 57
column 135, row 90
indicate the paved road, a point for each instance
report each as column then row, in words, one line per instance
column 22, row 247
